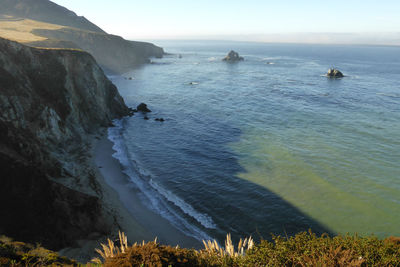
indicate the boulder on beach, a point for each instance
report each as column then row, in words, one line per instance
column 143, row 108
column 233, row 56
column 334, row 73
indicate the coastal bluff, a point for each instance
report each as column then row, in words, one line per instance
column 52, row 101
column 42, row 23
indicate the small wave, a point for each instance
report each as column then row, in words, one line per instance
column 160, row 63
column 156, row 197
column 394, row 95
column 203, row 219
column 212, row 59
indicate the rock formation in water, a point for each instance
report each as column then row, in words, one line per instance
column 143, row 108
column 232, row 57
column 113, row 53
column 334, row 73
column 50, row 102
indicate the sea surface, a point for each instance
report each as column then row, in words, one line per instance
column 268, row 145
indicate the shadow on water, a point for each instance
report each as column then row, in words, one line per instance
column 194, row 162
column 243, row 208
column 188, row 155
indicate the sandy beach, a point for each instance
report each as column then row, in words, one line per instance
column 123, row 209
column 135, row 219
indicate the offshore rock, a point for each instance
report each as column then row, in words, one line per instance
column 334, row 73
column 233, row 56
column 51, row 100
column 143, row 108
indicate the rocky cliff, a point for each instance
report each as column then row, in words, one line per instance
column 113, row 53
column 51, row 100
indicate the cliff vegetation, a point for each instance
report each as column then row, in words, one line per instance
column 304, row 249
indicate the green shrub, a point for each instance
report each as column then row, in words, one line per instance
column 13, row 253
column 303, row 249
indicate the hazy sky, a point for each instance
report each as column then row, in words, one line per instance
column 238, row 19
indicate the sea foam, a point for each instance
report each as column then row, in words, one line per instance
column 155, row 196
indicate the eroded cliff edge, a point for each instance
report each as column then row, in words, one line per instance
column 51, row 101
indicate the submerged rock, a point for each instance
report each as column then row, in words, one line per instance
column 233, row 56
column 159, row 119
column 143, row 108
column 334, row 73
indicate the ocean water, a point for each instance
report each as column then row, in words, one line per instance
column 269, row 144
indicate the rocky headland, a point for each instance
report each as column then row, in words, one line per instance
column 42, row 23
column 52, row 101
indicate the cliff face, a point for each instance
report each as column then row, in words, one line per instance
column 112, row 52
column 50, row 102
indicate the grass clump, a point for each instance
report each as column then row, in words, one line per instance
column 303, row 249
column 14, row 253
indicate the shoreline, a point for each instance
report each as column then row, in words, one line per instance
column 135, row 219
column 122, row 210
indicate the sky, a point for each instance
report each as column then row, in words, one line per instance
column 252, row 20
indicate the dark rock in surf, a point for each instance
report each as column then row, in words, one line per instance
column 131, row 112
column 143, row 108
column 233, row 57
column 334, row 73
column 159, row 119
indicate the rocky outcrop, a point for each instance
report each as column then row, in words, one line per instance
column 50, row 102
column 334, row 73
column 233, row 57
column 143, row 108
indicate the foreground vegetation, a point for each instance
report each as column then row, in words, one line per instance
column 14, row 253
column 304, row 249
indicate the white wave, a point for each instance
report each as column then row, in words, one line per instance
column 157, row 197
column 203, row 219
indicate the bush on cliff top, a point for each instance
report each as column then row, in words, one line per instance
column 304, row 249
column 14, row 253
